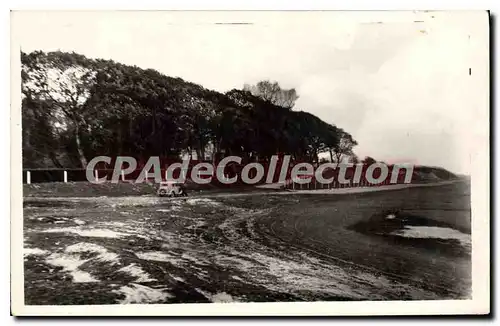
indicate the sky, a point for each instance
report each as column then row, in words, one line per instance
column 399, row 82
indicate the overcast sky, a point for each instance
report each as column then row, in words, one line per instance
column 398, row 82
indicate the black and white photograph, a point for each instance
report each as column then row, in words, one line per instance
column 194, row 162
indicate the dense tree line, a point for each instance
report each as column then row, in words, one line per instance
column 75, row 108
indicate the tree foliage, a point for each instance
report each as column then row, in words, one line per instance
column 369, row 160
column 343, row 146
column 272, row 92
column 75, row 108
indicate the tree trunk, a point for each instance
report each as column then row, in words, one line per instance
column 130, row 136
column 27, row 150
column 120, row 139
column 216, row 151
column 81, row 155
column 202, row 148
column 154, row 121
column 202, row 153
column 54, row 159
column 331, row 155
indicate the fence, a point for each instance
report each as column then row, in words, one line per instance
column 316, row 185
column 75, row 175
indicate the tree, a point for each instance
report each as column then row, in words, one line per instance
column 76, row 108
column 369, row 160
column 272, row 92
column 354, row 159
column 41, row 141
column 64, row 82
column 343, row 147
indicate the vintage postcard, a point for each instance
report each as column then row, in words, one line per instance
column 258, row 163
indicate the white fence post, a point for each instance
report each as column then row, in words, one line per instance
column 96, row 175
column 28, row 177
column 123, row 175
column 65, row 176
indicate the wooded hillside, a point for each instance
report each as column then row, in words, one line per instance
column 75, row 108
